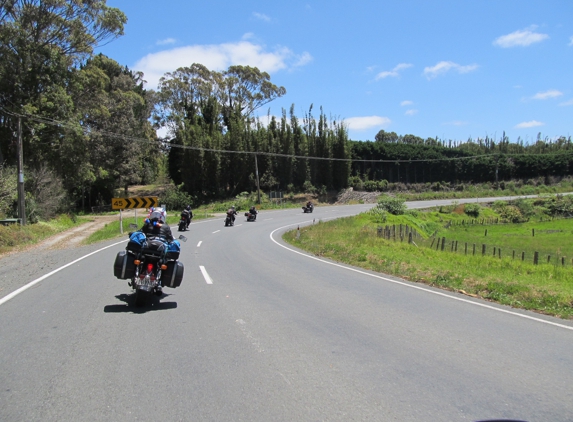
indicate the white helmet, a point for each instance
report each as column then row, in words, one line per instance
column 158, row 214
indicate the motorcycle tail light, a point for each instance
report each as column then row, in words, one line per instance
column 164, row 267
column 149, row 267
column 136, row 261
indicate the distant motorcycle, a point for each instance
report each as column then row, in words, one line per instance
column 308, row 208
column 250, row 216
column 184, row 222
column 229, row 220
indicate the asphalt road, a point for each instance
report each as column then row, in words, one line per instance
column 259, row 331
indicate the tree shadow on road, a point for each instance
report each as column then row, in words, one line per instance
column 154, row 304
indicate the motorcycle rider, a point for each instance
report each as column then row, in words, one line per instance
column 231, row 212
column 187, row 215
column 309, row 205
column 155, row 227
column 253, row 211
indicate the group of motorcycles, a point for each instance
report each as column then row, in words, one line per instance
column 151, row 264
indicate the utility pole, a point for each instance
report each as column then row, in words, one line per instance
column 21, row 193
column 257, row 174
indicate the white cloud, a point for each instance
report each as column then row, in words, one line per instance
column 166, row 41
column 218, row 57
column 406, row 102
column 444, row 67
column 532, row 123
column 394, row 72
column 367, row 122
column 566, row 103
column 261, row 16
column 552, row 93
column 302, row 60
column 411, row 112
column 520, row 38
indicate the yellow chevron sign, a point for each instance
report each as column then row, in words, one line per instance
column 135, row 202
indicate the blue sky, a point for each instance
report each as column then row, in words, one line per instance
column 431, row 68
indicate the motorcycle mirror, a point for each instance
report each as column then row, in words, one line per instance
column 133, row 226
column 183, row 238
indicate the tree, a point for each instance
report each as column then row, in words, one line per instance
column 40, row 42
column 247, row 89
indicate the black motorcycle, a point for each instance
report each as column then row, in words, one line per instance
column 308, row 208
column 149, row 264
column 183, row 222
column 229, row 220
column 250, row 216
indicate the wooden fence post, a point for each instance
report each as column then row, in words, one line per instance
column 443, row 243
column 535, row 258
column 483, row 249
column 523, row 256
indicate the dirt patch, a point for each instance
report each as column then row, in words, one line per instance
column 73, row 237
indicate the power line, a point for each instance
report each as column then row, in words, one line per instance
column 162, row 142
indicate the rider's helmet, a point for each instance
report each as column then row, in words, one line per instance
column 233, row 208
column 158, row 214
column 188, row 207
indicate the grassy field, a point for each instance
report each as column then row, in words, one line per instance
column 545, row 288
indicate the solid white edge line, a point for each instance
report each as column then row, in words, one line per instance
column 36, row 281
column 483, row 305
column 208, row 279
column 199, row 244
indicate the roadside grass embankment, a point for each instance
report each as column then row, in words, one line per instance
column 15, row 236
column 545, row 288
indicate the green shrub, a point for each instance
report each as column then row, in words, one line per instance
column 394, row 206
column 370, row 186
column 512, row 214
column 175, row 198
column 472, row 209
column 356, row 182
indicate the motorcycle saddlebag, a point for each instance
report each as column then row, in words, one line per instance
column 173, row 250
column 173, row 275
column 124, row 267
column 137, row 241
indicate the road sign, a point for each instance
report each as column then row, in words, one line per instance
column 135, row 202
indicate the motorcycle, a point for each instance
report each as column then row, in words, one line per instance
column 149, row 265
column 183, row 223
column 250, row 216
column 229, row 220
column 309, row 208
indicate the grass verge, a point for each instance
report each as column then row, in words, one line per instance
column 543, row 288
column 15, row 236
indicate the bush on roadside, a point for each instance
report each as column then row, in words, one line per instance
column 472, row 209
column 394, row 206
